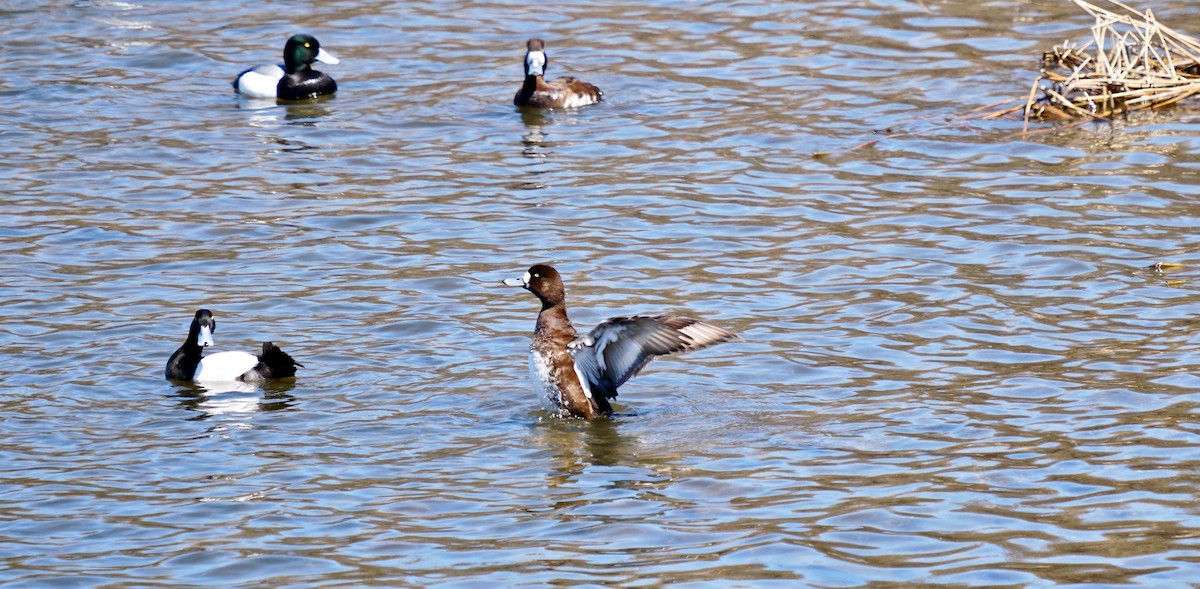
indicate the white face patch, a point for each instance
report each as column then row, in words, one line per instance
column 535, row 63
column 206, row 339
column 526, row 278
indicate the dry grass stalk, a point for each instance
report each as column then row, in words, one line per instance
column 1132, row 62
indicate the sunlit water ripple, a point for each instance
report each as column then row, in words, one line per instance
column 958, row 369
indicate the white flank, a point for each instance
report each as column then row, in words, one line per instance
column 547, row 390
column 260, row 82
column 225, row 366
column 578, row 100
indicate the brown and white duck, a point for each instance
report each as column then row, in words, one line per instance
column 575, row 375
column 565, row 92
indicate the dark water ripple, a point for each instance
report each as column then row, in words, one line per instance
column 960, row 369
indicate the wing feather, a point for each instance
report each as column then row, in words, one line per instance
column 618, row 348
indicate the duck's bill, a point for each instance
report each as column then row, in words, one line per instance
column 206, row 339
column 326, row 57
column 514, row 282
column 535, row 63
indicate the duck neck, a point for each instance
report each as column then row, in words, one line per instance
column 553, row 318
column 296, row 68
column 184, row 361
column 191, row 351
column 531, row 85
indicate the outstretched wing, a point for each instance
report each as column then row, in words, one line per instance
column 617, row 349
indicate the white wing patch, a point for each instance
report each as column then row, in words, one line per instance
column 703, row 334
column 225, row 366
column 583, row 380
column 607, row 337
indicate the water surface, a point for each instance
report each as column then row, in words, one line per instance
column 959, row 370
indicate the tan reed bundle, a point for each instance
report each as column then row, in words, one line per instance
column 1132, row 62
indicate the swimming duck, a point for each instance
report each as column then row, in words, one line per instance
column 561, row 93
column 186, row 363
column 295, row 79
column 575, row 375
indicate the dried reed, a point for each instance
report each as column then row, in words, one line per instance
column 1132, row 62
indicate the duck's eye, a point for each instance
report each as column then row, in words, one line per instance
column 537, row 275
column 307, row 45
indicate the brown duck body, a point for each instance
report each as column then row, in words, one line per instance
column 552, row 368
column 537, row 92
column 576, row 375
column 563, row 92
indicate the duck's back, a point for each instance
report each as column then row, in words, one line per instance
column 565, row 92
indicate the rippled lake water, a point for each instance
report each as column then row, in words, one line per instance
column 959, row 369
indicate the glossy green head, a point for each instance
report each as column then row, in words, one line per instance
column 302, row 50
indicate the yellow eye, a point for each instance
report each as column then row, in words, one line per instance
column 307, row 45
column 537, row 275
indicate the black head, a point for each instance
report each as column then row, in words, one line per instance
column 535, row 57
column 182, row 364
column 203, row 326
column 301, row 50
column 544, row 282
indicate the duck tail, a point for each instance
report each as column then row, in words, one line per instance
column 276, row 363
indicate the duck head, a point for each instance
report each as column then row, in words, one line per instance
column 544, row 282
column 301, row 50
column 535, row 58
column 203, row 326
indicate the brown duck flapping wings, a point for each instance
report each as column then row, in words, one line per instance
column 618, row 348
